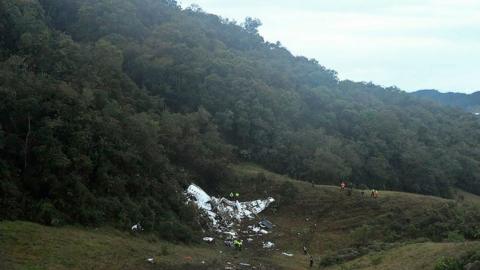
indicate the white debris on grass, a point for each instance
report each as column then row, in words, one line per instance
column 208, row 239
column 254, row 229
column 151, row 260
column 137, row 227
column 232, row 234
column 268, row 244
column 223, row 213
column 287, row 254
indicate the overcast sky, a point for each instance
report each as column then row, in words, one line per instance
column 419, row 44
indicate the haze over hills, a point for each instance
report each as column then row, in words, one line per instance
column 109, row 109
column 467, row 102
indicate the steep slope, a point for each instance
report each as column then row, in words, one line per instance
column 334, row 241
column 467, row 102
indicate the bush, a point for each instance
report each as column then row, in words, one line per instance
column 175, row 231
column 455, row 236
column 448, row 263
column 48, row 214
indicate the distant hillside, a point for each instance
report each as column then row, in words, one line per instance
column 467, row 102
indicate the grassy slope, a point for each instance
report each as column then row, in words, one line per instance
column 320, row 217
column 413, row 256
column 26, row 245
column 467, row 197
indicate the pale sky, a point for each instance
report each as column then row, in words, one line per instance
column 413, row 45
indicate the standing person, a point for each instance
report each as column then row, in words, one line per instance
column 376, row 194
column 342, row 186
column 311, row 261
column 238, row 244
column 305, row 250
column 373, row 193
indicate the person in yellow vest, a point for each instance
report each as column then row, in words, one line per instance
column 238, row 244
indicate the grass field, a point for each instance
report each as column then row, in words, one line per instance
column 320, row 217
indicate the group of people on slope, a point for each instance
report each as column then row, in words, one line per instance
column 343, row 186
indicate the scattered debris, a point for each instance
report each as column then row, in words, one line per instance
column 223, row 213
column 137, row 227
column 266, row 224
column 151, row 260
column 244, row 264
column 287, row 254
column 268, row 244
column 254, row 229
column 208, row 239
column 228, row 242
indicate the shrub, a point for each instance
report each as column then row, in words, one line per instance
column 448, row 263
column 455, row 236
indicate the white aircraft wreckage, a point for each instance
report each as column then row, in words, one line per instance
column 223, row 213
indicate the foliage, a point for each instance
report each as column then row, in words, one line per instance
column 108, row 109
column 455, row 236
column 448, row 263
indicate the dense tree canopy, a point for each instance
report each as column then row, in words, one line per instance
column 108, row 108
column 467, row 102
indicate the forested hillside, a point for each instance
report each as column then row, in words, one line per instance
column 467, row 102
column 108, row 108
